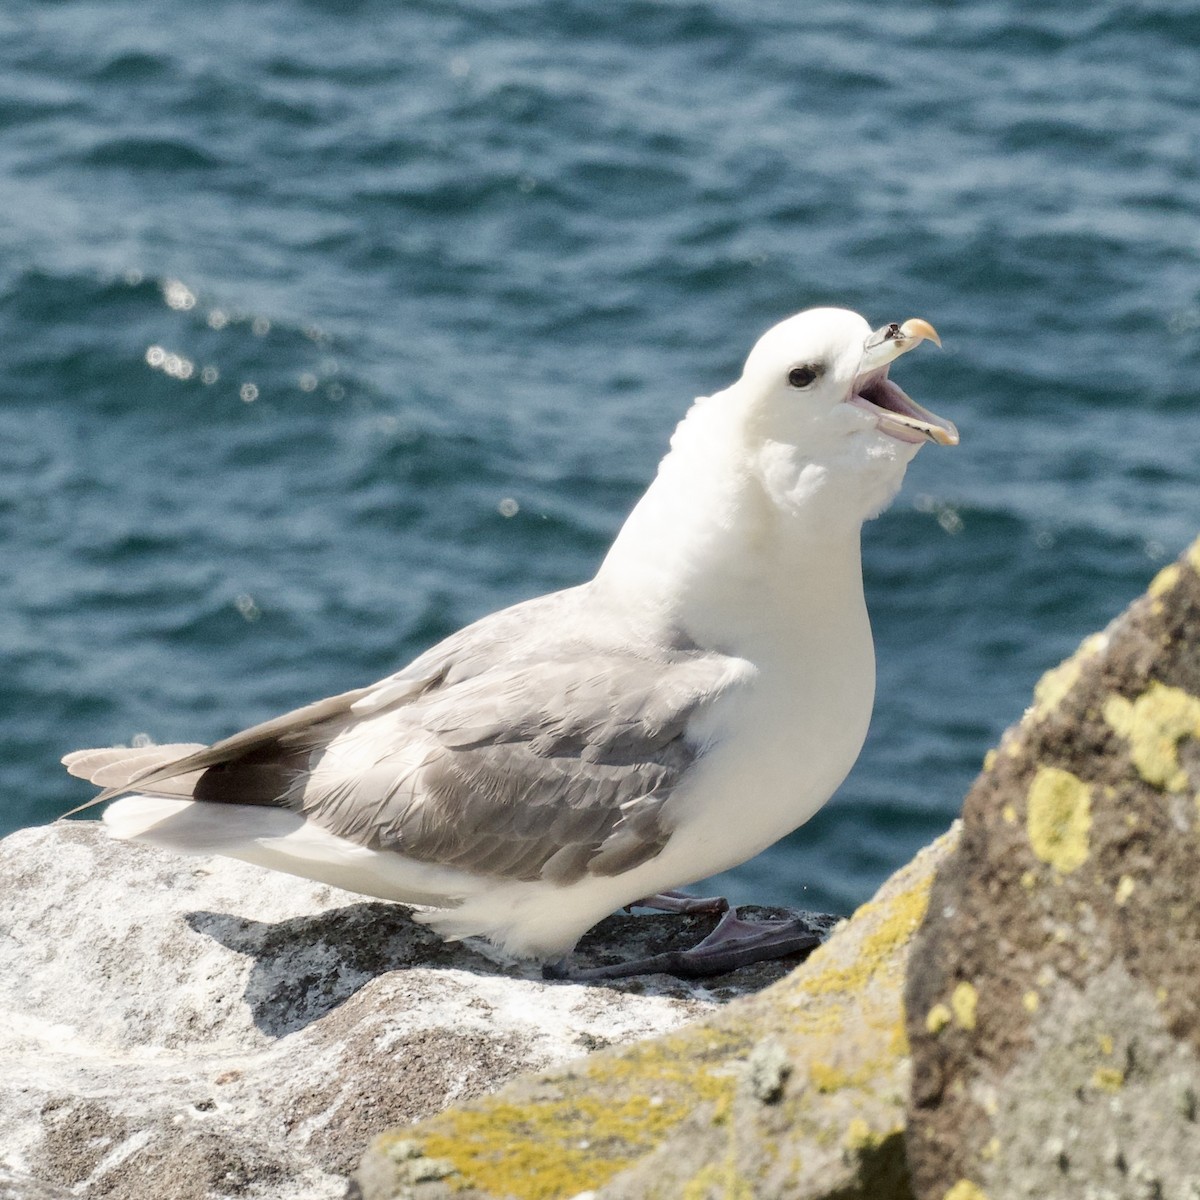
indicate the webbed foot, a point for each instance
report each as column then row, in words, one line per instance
column 733, row 943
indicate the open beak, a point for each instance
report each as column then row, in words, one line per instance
column 896, row 413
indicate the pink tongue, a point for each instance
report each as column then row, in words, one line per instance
column 886, row 395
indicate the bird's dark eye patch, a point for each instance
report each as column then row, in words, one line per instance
column 801, row 377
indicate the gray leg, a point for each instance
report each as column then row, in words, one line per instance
column 734, row 943
column 681, row 902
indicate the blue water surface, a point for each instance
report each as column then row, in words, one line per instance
column 326, row 327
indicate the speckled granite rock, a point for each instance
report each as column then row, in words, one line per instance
column 196, row 1029
column 1053, row 997
column 797, row 1092
column 16, row 1185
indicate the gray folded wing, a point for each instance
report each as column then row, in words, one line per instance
column 262, row 761
column 524, row 747
column 549, row 770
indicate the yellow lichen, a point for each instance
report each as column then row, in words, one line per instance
column 1012, row 744
column 826, row 1078
column 1028, row 880
column 991, row 1149
column 1165, row 580
column 1030, row 1001
column 1155, row 723
column 937, row 1018
column 865, row 1073
column 989, row 760
column 901, row 916
column 1193, row 555
column 541, row 1150
column 1059, row 819
column 862, row 1140
column 858, row 1135
column 821, row 1020
column 1049, row 691
column 718, row 1179
column 964, row 1189
column 1108, row 1079
column 1125, row 886
column 963, row 1002
column 1009, row 814
column 597, row 1118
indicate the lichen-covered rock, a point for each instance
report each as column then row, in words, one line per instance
column 199, row 1028
column 1053, row 1004
column 797, row 1092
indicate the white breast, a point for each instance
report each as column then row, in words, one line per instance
column 779, row 748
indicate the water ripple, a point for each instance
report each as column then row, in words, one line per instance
column 300, row 300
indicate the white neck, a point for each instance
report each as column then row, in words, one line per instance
column 738, row 540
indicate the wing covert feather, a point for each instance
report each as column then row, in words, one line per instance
column 535, row 744
column 550, row 770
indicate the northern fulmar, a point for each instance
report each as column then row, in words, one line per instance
column 701, row 697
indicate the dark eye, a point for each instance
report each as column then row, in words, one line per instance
column 801, row 377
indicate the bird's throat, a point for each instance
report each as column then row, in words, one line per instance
column 716, row 552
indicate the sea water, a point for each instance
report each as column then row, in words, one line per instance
column 327, row 327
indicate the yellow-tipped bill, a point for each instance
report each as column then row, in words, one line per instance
column 896, row 413
column 920, row 330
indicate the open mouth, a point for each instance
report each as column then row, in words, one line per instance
column 896, row 413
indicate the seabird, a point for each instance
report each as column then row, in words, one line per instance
column 598, row 747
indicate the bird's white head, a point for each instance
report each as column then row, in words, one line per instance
column 774, row 473
column 822, row 419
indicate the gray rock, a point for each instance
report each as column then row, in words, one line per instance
column 797, row 1093
column 1052, row 1003
column 15, row 1185
column 200, row 1028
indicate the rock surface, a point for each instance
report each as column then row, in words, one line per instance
column 1053, row 1004
column 197, row 1029
column 797, row 1092
column 16, row 1185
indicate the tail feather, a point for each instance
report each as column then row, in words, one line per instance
column 117, row 765
column 114, row 768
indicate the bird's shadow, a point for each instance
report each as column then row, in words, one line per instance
column 305, row 967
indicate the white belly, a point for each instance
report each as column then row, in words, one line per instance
column 780, row 749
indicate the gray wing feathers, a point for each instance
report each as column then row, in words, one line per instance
column 294, row 733
column 604, row 707
column 237, row 770
column 506, row 750
column 550, row 771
